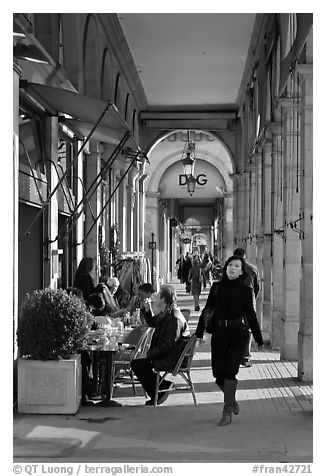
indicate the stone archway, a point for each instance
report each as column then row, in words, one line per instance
column 165, row 161
column 162, row 157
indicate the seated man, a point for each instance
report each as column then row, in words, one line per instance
column 169, row 337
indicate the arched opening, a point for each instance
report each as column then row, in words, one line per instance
column 91, row 59
column 205, row 218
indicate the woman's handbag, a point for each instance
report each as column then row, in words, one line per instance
column 209, row 313
column 208, row 319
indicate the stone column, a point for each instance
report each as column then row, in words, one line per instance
column 292, row 248
column 266, row 275
column 152, row 225
column 108, row 217
column 258, row 233
column 132, row 175
column 122, row 211
column 305, row 337
column 115, row 199
column 250, row 247
column 228, row 224
column 277, row 243
column 79, row 192
column 142, row 213
column 14, row 172
column 93, row 166
column 238, row 209
column 51, row 258
column 162, row 242
column 242, row 210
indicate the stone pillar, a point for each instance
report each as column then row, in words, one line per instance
column 115, row 199
column 242, row 210
column 108, row 217
column 266, row 275
column 136, row 217
column 93, row 166
column 258, row 232
column 79, row 192
column 51, row 257
column 238, row 210
column 132, row 175
column 14, row 172
column 162, row 241
column 152, row 225
column 292, row 248
column 142, row 213
column 228, row 224
column 278, row 242
column 305, row 337
column 122, row 210
column 251, row 245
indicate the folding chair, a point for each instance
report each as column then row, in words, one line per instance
column 182, row 368
column 122, row 361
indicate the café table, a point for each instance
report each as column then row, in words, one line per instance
column 109, row 358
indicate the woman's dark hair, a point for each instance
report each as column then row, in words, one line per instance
column 85, row 266
column 75, row 292
column 147, row 288
column 168, row 293
column 224, row 275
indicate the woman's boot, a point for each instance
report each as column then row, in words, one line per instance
column 230, row 387
column 235, row 406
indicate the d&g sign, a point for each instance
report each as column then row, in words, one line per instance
column 200, row 179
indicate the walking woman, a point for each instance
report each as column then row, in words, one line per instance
column 230, row 303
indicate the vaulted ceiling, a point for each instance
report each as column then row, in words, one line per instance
column 195, row 59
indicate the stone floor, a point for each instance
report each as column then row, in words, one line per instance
column 274, row 424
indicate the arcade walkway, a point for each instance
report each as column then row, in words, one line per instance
column 274, row 424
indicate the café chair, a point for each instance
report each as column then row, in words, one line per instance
column 186, row 312
column 181, row 368
column 137, row 341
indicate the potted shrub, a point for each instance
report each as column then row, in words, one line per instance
column 53, row 328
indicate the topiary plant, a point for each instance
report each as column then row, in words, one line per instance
column 52, row 325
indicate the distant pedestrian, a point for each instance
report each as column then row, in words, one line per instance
column 207, row 270
column 251, row 280
column 196, row 279
column 186, row 266
column 178, row 266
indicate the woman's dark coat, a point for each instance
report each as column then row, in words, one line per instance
column 85, row 283
column 230, row 300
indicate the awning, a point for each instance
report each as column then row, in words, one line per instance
column 92, row 118
column 85, row 113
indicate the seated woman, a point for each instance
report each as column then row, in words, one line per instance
column 108, row 291
column 83, row 278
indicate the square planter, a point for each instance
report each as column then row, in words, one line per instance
column 50, row 386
